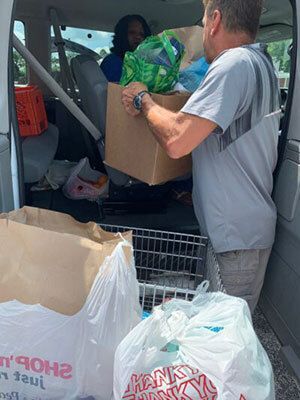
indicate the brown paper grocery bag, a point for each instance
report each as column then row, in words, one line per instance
column 191, row 37
column 49, row 258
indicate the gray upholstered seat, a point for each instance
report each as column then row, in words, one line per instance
column 38, row 153
column 92, row 85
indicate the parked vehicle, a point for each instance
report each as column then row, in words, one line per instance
column 279, row 27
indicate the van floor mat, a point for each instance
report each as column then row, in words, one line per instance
column 41, row 199
column 172, row 216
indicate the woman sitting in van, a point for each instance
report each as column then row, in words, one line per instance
column 130, row 31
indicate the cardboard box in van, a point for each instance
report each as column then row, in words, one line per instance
column 130, row 147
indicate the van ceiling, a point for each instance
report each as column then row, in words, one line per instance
column 161, row 14
column 103, row 14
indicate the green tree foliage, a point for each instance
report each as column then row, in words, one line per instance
column 279, row 53
column 103, row 53
column 20, row 68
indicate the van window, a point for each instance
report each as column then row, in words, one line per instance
column 80, row 41
column 20, row 65
column 280, row 54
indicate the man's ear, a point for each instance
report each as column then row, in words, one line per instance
column 216, row 22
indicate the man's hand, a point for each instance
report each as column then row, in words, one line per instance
column 129, row 94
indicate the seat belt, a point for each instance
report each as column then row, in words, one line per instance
column 68, row 83
column 65, row 70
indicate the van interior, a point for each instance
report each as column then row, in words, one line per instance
column 86, row 29
column 67, row 139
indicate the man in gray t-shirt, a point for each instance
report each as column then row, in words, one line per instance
column 230, row 124
column 232, row 168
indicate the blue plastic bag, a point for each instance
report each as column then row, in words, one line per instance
column 145, row 315
column 192, row 76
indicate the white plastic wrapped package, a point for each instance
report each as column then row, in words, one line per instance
column 48, row 355
column 204, row 349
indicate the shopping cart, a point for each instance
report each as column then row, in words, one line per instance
column 171, row 265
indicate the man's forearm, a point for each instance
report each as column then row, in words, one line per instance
column 178, row 133
column 163, row 123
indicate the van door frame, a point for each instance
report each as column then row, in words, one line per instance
column 9, row 198
column 287, row 116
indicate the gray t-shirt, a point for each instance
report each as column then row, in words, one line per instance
column 232, row 168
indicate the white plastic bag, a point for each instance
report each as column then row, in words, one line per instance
column 48, row 355
column 59, row 172
column 204, row 349
column 85, row 183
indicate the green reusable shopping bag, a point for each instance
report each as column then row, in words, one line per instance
column 155, row 63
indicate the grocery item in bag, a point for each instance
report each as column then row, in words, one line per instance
column 155, row 62
column 69, row 295
column 204, row 349
column 192, row 39
column 191, row 77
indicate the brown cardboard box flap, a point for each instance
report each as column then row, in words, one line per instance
column 49, row 258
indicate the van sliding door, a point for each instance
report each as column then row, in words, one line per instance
column 281, row 294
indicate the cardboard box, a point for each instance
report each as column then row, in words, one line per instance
column 130, row 146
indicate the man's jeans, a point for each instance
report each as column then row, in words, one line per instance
column 243, row 273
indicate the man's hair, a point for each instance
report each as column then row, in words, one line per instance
column 237, row 15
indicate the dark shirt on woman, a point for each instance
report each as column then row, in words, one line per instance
column 112, row 67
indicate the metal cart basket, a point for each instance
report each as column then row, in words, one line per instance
column 170, row 264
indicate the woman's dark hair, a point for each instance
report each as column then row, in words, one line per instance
column 120, row 41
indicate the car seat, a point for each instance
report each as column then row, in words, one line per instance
column 38, row 154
